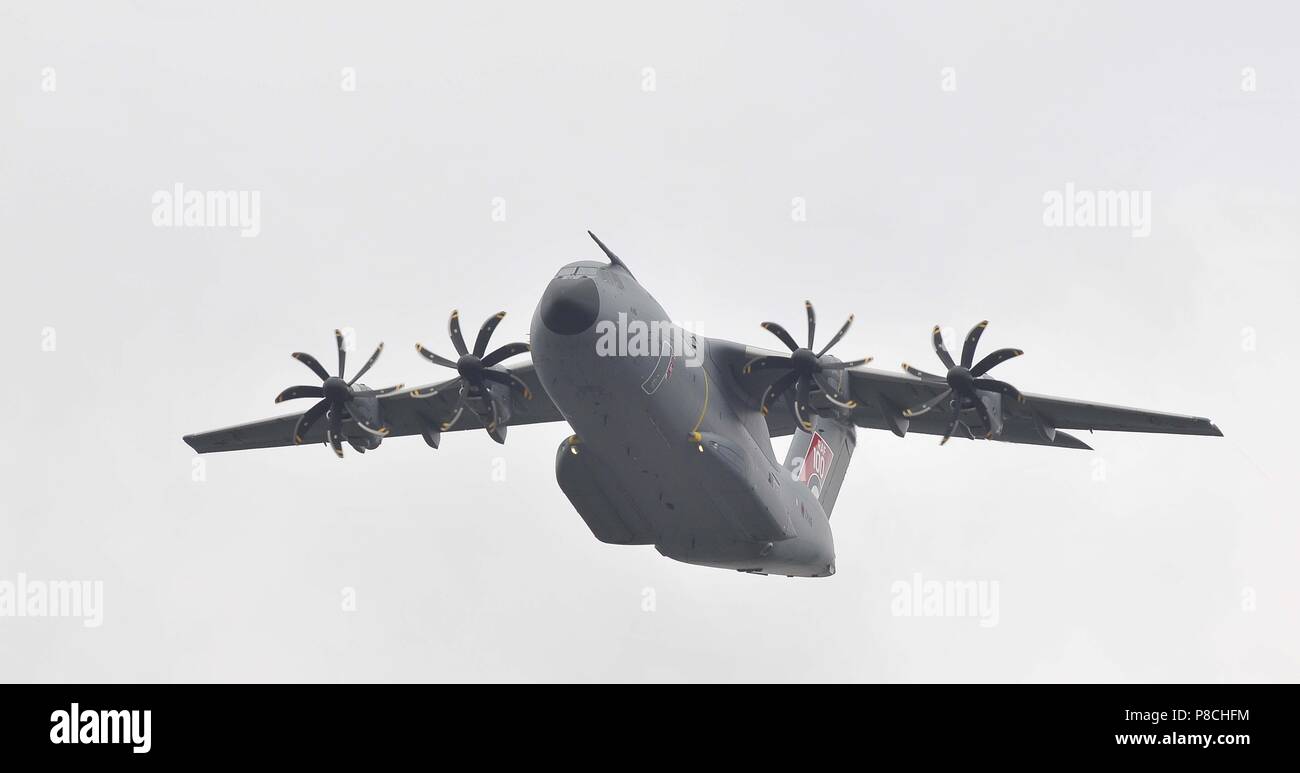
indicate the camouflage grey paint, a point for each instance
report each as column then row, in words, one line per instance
column 665, row 453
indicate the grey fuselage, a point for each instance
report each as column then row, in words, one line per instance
column 666, row 450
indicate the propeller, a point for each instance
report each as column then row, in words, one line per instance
column 964, row 380
column 804, row 369
column 475, row 369
column 336, row 395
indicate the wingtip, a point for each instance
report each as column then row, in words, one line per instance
column 1215, row 431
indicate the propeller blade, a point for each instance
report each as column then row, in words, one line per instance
column 781, row 333
column 457, row 340
column 972, row 338
column 994, row 385
column 505, row 353
column 801, row 400
column 987, row 420
column 494, row 427
column 837, row 337
column 996, row 358
column 311, row 362
column 777, row 389
column 369, row 362
column 296, row 392
column 446, row 425
column 767, row 363
column 343, row 355
column 926, row 406
column 510, row 380
column 485, row 333
column 956, row 419
column 833, row 394
column 336, row 432
column 309, row 418
column 849, row 364
column 436, row 359
column 376, row 431
column 940, row 349
column 922, row 374
column 812, row 322
column 453, row 385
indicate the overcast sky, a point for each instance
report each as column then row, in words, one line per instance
column 682, row 133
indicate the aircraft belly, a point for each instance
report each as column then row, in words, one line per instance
column 638, row 474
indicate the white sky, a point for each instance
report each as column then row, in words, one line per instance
column 924, row 207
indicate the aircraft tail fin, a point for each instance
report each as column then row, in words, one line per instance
column 819, row 459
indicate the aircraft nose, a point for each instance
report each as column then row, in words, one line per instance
column 570, row 305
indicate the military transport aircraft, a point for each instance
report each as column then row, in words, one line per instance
column 671, row 431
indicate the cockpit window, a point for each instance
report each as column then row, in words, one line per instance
column 580, row 269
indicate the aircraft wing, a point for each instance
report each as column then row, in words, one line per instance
column 882, row 397
column 402, row 413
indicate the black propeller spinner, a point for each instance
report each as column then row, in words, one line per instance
column 963, row 380
column 805, row 368
column 336, row 394
column 474, row 369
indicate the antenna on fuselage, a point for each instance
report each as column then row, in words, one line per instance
column 614, row 260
